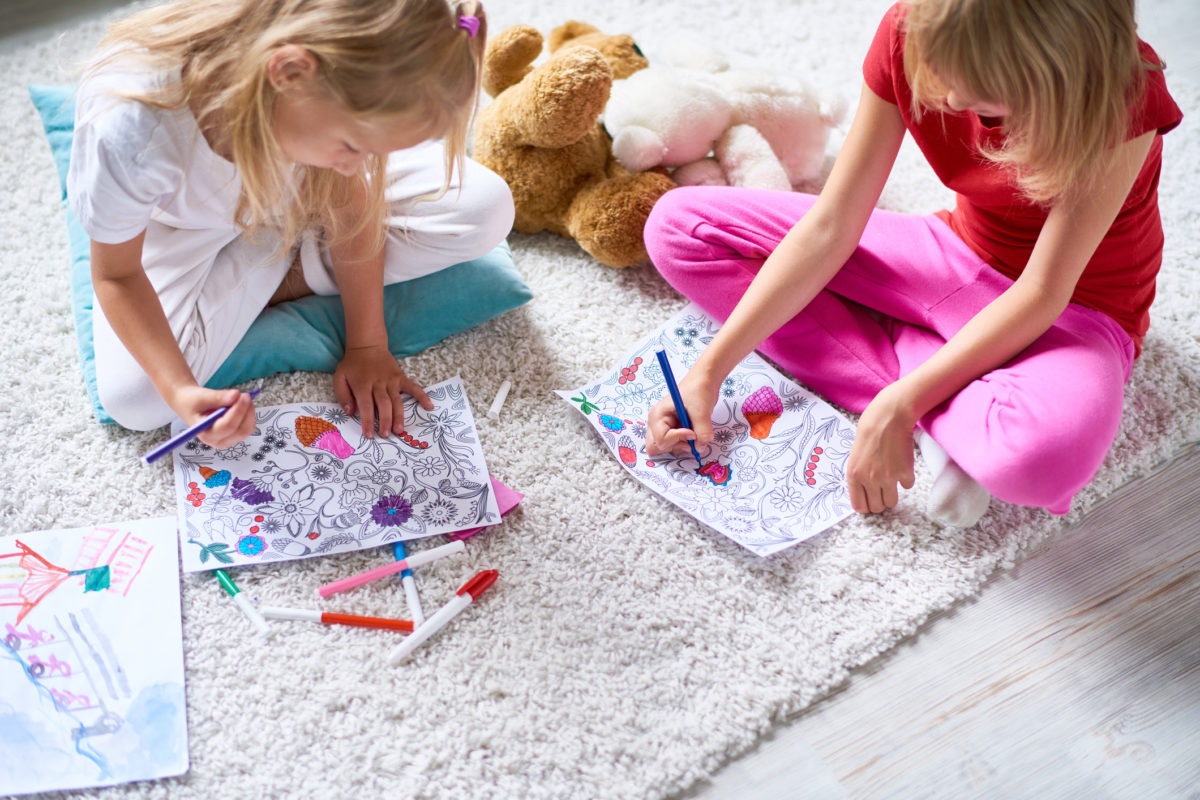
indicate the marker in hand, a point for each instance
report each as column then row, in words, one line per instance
column 183, row 437
column 680, row 408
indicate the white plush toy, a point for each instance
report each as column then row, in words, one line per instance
column 715, row 125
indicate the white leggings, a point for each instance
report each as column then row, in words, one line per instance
column 211, row 303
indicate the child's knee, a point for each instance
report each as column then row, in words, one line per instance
column 670, row 229
column 1046, row 473
column 492, row 209
column 133, row 403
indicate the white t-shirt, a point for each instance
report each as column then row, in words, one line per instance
column 132, row 163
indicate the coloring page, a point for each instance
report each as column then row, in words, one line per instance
column 308, row 483
column 774, row 474
column 91, row 657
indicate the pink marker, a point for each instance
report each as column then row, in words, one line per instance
column 415, row 560
column 463, row 598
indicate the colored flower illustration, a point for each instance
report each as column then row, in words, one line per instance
column 195, row 496
column 251, row 545
column 250, row 493
column 214, row 478
column 391, row 510
column 614, row 424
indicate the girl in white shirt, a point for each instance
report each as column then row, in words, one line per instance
column 230, row 154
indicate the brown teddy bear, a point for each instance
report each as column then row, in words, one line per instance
column 542, row 134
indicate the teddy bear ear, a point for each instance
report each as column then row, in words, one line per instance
column 571, row 29
column 509, row 57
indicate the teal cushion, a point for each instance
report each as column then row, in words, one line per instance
column 309, row 333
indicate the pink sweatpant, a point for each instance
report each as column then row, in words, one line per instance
column 1032, row 432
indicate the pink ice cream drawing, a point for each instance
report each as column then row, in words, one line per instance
column 323, row 435
column 761, row 410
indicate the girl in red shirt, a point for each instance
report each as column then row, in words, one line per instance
column 1000, row 333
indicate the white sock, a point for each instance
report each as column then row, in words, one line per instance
column 956, row 498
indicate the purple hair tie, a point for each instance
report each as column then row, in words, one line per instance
column 470, row 24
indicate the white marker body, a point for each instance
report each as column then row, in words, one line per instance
column 501, row 394
column 299, row 614
column 252, row 613
column 432, row 625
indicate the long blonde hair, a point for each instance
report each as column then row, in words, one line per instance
column 377, row 58
column 1067, row 70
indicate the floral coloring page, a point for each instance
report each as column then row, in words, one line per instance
column 91, row 657
column 308, row 483
column 774, row 474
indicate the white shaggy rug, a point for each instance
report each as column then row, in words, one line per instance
column 627, row 652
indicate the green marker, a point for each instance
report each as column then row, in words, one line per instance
column 243, row 602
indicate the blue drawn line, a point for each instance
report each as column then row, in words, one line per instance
column 90, row 753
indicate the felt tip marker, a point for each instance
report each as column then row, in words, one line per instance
column 330, row 618
column 677, row 399
column 243, row 602
column 498, row 403
column 416, row 560
column 154, row 454
column 463, row 598
column 410, row 585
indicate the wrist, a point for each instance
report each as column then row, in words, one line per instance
column 901, row 404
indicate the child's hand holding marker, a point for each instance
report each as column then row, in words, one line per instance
column 221, row 428
column 669, row 423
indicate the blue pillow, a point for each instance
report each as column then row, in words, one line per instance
column 306, row 334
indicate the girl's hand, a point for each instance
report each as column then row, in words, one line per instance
column 193, row 403
column 882, row 455
column 369, row 381
column 663, row 434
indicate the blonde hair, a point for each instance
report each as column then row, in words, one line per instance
column 1066, row 69
column 379, row 59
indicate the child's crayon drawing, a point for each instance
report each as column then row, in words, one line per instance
column 308, row 483
column 774, row 474
column 91, row 657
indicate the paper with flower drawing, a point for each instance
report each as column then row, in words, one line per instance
column 774, row 474
column 91, row 657
column 308, row 483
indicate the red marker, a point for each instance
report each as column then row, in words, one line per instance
column 329, row 618
column 463, row 598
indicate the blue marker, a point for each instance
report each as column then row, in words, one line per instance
column 680, row 409
column 410, row 585
column 186, row 436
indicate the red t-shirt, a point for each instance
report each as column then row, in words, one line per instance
column 999, row 224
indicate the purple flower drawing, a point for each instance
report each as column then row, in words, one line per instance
column 391, row 510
